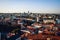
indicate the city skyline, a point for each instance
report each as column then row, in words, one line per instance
column 35, row 6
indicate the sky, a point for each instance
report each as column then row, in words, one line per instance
column 35, row 6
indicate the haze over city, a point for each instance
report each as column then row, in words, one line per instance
column 29, row 19
column 35, row 6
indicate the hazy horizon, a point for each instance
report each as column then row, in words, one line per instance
column 34, row 6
